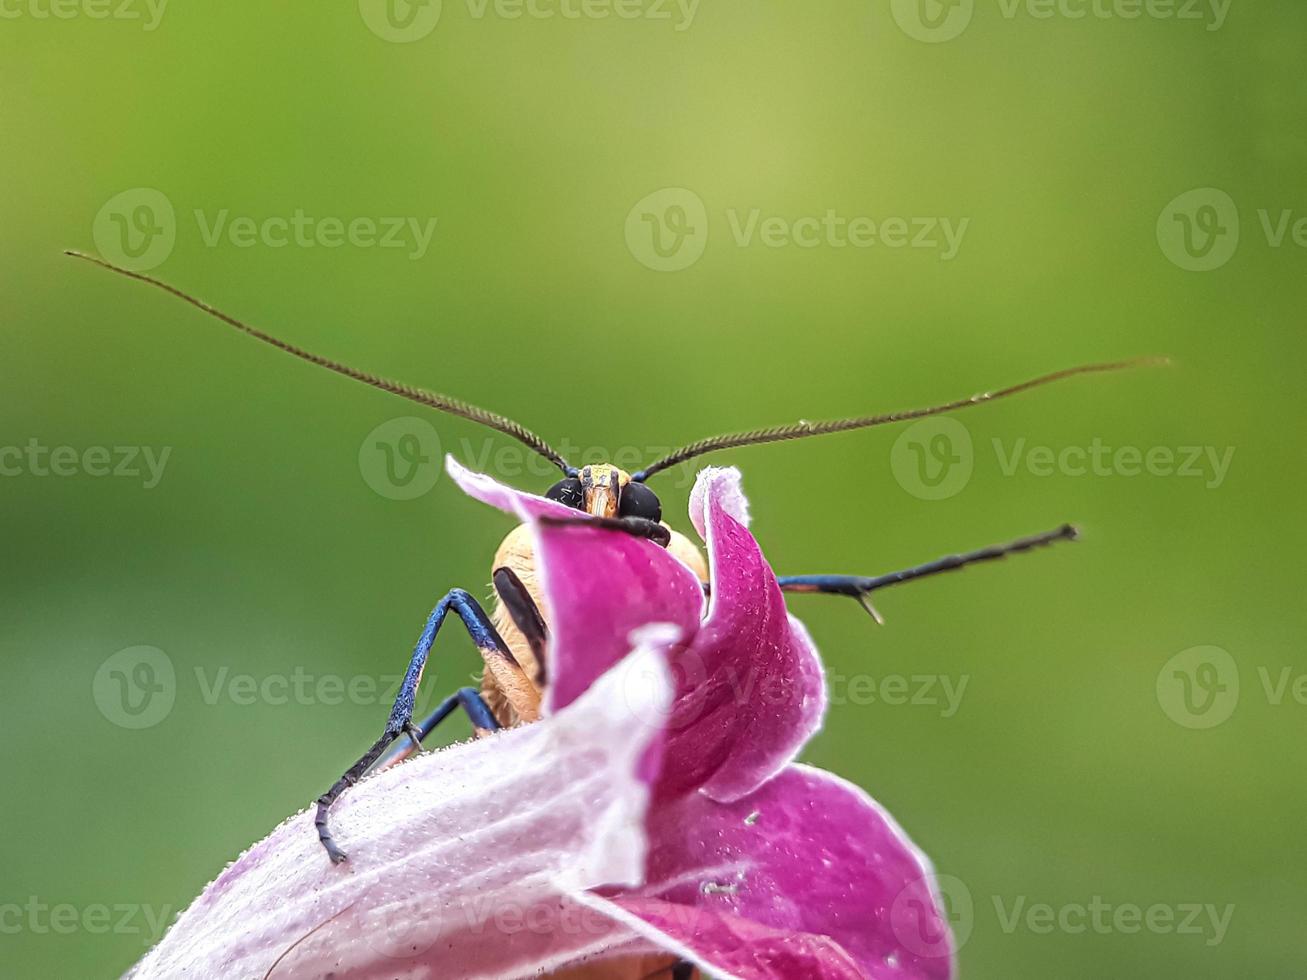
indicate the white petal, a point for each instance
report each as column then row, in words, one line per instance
column 460, row 860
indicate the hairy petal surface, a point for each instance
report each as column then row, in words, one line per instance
column 807, row 877
column 461, row 860
column 724, row 484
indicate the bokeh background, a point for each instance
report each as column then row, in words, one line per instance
column 1095, row 756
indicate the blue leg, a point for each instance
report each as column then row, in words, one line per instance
column 488, row 641
column 467, row 698
column 860, row 587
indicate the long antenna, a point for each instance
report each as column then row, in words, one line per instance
column 801, row 430
column 442, row 403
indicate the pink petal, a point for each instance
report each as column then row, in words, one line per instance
column 729, row 945
column 601, row 587
column 750, row 689
column 522, row 505
column 806, row 877
column 461, row 860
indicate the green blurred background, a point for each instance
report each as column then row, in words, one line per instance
column 275, row 543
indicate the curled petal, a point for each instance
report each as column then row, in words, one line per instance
column 461, row 860
column 722, row 484
column 750, row 689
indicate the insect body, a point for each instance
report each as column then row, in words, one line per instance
column 608, row 495
column 512, row 639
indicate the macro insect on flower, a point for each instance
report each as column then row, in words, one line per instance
column 525, row 674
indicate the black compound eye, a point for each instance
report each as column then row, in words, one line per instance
column 568, row 492
column 639, row 501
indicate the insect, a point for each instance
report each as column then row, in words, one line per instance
column 512, row 638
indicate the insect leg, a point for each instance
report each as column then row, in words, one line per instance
column 467, row 698
column 494, row 652
column 860, row 587
column 640, row 527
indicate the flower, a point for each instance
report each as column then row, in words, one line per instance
column 462, row 859
column 654, row 813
